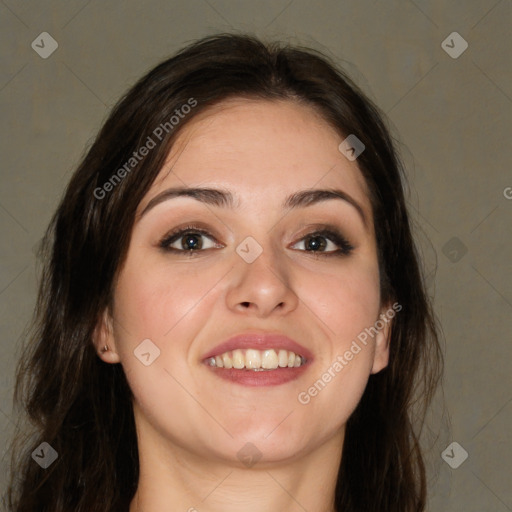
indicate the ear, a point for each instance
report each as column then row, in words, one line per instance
column 382, row 338
column 103, row 339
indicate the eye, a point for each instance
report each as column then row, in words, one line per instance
column 187, row 240
column 193, row 239
column 325, row 242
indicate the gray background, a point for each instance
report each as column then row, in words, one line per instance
column 452, row 116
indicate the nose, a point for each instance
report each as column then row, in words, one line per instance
column 262, row 287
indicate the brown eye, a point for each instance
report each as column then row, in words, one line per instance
column 188, row 240
column 326, row 242
column 316, row 243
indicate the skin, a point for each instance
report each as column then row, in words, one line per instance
column 190, row 423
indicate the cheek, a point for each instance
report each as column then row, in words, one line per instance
column 152, row 300
column 169, row 306
column 346, row 302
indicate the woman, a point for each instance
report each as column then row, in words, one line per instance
column 232, row 315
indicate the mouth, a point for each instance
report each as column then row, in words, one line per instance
column 258, row 359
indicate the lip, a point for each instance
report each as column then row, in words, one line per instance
column 253, row 378
column 259, row 341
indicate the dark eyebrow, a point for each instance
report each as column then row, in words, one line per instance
column 224, row 198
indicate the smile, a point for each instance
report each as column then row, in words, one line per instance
column 256, row 360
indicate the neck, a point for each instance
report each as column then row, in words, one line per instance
column 172, row 477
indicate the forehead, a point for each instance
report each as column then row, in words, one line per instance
column 260, row 148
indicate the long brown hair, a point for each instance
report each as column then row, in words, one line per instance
column 82, row 407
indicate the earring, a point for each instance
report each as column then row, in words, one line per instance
column 105, row 349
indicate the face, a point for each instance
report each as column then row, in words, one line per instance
column 300, row 280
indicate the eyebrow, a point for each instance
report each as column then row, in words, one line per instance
column 224, row 198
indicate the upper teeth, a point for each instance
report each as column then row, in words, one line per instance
column 257, row 359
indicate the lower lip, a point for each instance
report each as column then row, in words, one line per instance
column 259, row 378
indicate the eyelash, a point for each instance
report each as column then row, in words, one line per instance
column 345, row 248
